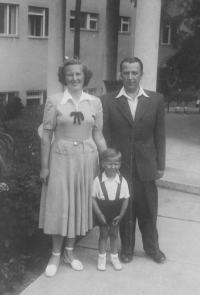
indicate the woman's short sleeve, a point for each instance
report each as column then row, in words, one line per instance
column 98, row 122
column 49, row 118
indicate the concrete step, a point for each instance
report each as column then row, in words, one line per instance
column 180, row 180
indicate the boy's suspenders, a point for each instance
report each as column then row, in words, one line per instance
column 103, row 188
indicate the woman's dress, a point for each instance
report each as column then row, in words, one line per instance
column 66, row 201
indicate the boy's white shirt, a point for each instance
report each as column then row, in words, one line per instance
column 111, row 187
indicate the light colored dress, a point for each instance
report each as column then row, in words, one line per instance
column 66, row 201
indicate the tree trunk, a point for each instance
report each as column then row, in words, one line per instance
column 77, row 29
column 112, row 21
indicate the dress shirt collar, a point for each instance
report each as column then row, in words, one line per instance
column 67, row 96
column 140, row 93
column 105, row 178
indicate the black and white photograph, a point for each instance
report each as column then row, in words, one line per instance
column 99, row 147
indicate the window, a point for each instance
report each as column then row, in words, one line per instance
column 35, row 97
column 89, row 21
column 166, row 34
column 8, row 19
column 8, row 96
column 124, row 24
column 38, row 21
column 169, row 32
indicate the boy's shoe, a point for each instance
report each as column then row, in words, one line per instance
column 116, row 263
column 101, row 263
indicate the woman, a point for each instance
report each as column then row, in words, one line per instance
column 70, row 163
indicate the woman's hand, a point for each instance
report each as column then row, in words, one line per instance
column 44, row 175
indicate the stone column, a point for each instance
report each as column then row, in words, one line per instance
column 147, row 39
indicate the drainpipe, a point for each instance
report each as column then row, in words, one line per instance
column 64, row 7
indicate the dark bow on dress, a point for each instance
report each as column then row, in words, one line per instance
column 77, row 116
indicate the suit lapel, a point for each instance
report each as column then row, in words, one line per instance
column 142, row 106
column 123, row 107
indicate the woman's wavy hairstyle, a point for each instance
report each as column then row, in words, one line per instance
column 61, row 72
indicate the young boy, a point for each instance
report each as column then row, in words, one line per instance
column 110, row 201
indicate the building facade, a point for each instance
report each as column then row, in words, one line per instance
column 24, row 30
column 37, row 35
column 93, row 38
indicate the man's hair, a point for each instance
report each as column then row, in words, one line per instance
column 111, row 153
column 61, row 71
column 131, row 60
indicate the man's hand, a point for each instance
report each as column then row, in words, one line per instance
column 101, row 218
column 116, row 220
column 160, row 174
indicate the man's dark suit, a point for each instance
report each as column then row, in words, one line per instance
column 142, row 144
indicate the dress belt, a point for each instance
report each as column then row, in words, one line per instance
column 75, row 143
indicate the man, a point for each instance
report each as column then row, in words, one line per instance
column 134, row 124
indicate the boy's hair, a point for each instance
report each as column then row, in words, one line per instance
column 111, row 153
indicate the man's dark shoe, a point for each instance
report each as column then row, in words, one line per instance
column 158, row 257
column 125, row 258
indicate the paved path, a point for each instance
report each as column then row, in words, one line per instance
column 178, row 225
column 179, row 229
column 182, row 152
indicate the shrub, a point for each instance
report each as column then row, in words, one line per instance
column 12, row 109
column 21, row 243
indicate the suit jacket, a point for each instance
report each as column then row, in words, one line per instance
column 141, row 141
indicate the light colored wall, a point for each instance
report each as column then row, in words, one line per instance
column 126, row 41
column 92, row 45
column 23, row 60
column 55, row 46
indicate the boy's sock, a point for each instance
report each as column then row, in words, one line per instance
column 113, row 255
column 102, row 255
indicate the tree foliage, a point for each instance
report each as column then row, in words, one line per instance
column 187, row 40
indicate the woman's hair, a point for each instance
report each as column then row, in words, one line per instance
column 61, row 72
column 111, row 153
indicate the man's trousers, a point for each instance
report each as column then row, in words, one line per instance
column 143, row 206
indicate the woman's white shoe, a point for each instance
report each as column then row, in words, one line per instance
column 51, row 269
column 75, row 264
